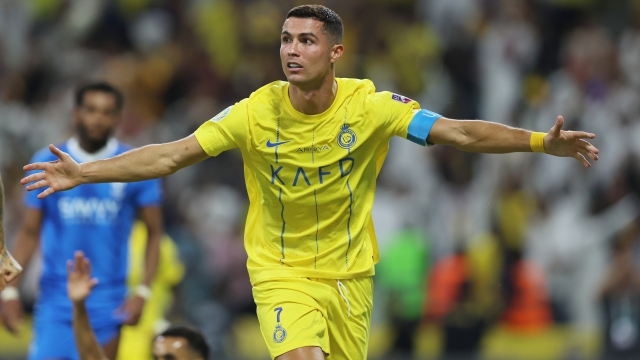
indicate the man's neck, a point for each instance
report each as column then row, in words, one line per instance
column 314, row 100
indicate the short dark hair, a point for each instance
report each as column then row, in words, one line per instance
column 193, row 336
column 101, row 86
column 332, row 21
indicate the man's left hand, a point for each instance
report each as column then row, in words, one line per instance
column 570, row 144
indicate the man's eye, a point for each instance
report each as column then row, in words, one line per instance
column 308, row 42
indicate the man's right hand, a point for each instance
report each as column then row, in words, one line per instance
column 9, row 268
column 11, row 312
column 59, row 175
column 79, row 281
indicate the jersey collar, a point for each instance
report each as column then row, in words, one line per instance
column 73, row 145
column 330, row 111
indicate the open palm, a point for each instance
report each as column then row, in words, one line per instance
column 563, row 143
column 59, row 175
column 79, row 281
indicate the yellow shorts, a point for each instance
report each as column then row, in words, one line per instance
column 333, row 315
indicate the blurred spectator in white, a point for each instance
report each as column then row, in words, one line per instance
column 619, row 295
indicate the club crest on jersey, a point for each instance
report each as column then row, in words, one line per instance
column 347, row 137
column 222, row 114
column 279, row 334
column 402, row 99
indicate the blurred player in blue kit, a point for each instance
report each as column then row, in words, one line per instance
column 95, row 219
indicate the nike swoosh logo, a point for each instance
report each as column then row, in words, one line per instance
column 270, row 144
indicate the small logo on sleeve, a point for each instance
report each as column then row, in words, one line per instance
column 222, row 114
column 402, row 99
column 347, row 137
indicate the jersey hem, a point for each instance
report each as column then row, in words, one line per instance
column 284, row 350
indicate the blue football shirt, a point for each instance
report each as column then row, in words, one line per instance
column 94, row 218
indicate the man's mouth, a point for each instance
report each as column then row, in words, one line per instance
column 293, row 65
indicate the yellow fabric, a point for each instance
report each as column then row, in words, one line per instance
column 135, row 340
column 514, row 208
column 537, row 142
column 311, row 195
column 312, row 312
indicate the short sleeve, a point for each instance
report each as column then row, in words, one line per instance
column 398, row 115
column 31, row 197
column 149, row 193
column 225, row 131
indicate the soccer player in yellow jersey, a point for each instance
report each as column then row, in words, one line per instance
column 312, row 148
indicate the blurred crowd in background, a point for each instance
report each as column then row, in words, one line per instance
column 494, row 256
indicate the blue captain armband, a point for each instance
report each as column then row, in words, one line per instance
column 420, row 126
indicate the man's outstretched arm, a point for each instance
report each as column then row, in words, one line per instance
column 488, row 137
column 148, row 162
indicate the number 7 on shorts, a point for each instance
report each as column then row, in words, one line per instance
column 279, row 310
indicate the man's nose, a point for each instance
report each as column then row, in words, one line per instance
column 293, row 49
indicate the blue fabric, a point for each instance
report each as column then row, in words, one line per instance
column 94, row 218
column 421, row 125
column 53, row 330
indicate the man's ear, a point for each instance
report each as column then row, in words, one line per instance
column 336, row 52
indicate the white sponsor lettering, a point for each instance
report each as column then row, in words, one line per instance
column 117, row 189
column 88, row 210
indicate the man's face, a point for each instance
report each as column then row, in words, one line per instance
column 96, row 117
column 172, row 348
column 306, row 52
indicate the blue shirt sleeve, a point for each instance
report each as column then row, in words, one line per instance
column 31, row 197
column 149, row 193
column 421, row 125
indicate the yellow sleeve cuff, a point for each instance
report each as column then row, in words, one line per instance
column 537, row 142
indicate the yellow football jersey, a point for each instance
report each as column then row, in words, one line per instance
column 311, row 178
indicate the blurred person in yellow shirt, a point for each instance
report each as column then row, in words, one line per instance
column 135, row 340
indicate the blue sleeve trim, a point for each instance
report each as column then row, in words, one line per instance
column 420, row 126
